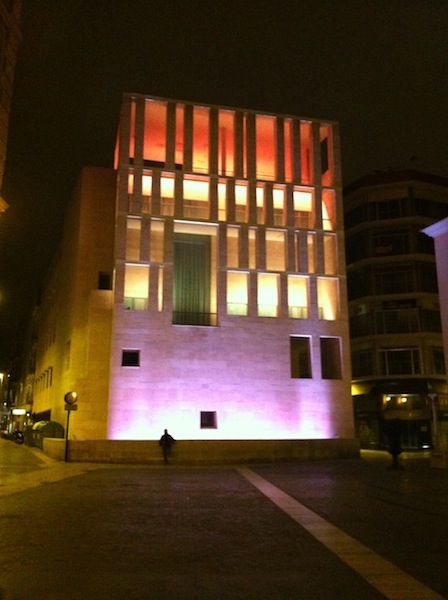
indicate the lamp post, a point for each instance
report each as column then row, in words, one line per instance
column 70, row 399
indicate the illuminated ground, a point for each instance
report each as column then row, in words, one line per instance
column 79, row 532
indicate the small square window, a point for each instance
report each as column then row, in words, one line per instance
column 104, row 280
column 208, row 420
column 130, row 358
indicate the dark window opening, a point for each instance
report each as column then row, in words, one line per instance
column 104, row 280
column 130, row 358
column 208, row 420
column 300, row 357
column 330, row 356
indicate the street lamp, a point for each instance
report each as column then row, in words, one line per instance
column 70, row 399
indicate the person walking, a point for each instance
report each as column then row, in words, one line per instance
column 166, row 442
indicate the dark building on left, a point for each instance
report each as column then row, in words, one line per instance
column 10, row 37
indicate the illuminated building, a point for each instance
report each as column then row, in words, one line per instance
column 395, row 327
column 201, row 285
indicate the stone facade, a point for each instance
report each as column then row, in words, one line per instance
column 200, row 286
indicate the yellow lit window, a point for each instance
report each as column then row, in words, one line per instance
column 252, row 248
column 136, row 285
column 260, row 204
column 133, row 234
column 156, row 245
column 298, row 297
column 241, row 201
column 167, row 194
column 222, row 201
column 328, row 298
column 303, row 199
column 311, row 241
column 196, row 198
column 278, row 198
column 268, row 294
column 237, row 293
column 275, row 250
column 233, row 241
column 146, row 192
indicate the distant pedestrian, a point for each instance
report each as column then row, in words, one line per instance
column 166, row 442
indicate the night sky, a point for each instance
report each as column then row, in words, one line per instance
column 379, row 67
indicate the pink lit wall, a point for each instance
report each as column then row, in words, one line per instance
column 241, row 372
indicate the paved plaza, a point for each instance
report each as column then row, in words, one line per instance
column 348, row 529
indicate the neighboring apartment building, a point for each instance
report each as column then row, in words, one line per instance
column 201, row 285
column 10, row 37
column 395, row 326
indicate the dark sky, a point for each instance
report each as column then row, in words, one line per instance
column 379, row 67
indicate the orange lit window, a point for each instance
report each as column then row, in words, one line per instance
column 326, row 155
column 179, row 139
column 196, row 198
column 155, row 132
column 132, row 131
column 278, row 198
column 201, row 117
column 241, row 201
column 289, row 170
column 306, row 151
column 330, row 254
column 265, row 147
column 226, row 143
column 303, row 199
column 328, row 210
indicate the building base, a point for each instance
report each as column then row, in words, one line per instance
column 197, row 452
